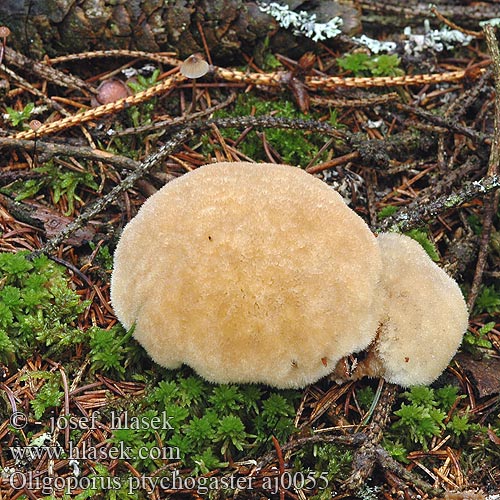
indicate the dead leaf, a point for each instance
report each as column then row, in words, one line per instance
column 54, row 223
column 493, row 437
column 483, row 373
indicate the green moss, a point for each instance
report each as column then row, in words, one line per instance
column 425, row 414
column 19, row 118
column 361, row 64
column 387, row 211
column 423, row 238
column 294, row 147
column 49, row 395
column 488, row 300
column 61, row 184
column 38, row 308
column 323, row 466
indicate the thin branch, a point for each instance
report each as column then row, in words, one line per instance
column 388, row 463
column 350, row 440
column 100, row 204
column 495, row 56
column 173, row 122
column 267, row 121
column 447, row 123
column 33, row 90
column 54, row 149
column 491, row 202
column 365, row 458
column 405, row 219
column 45, row 71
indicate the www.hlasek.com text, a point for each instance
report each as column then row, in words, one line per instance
column 94, row 453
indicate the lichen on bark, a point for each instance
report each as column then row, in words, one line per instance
column 230, row 27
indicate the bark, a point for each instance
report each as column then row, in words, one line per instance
column 56, row 27
column 397, row 14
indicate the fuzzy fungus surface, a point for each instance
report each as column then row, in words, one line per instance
column 248, row 273
column 424, row 315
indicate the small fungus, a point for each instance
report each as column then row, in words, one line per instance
column 194, row 66
column 35, row 125
column 424, row 316
column 248, row 273
column 4, row 32
column 110, row 91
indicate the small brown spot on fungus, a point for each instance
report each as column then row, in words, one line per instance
column 281, row 235
column 194, row 66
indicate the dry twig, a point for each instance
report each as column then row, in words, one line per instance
column 491, row 201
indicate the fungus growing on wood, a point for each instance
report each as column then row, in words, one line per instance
column 248, row 273
column 424, row 316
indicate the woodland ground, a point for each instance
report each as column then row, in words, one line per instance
column 418, row 156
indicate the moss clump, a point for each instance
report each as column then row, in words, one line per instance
column 38, row 308
column 293, row 146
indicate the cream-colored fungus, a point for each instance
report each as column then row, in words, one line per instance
column 248, row 273
column 424, row 316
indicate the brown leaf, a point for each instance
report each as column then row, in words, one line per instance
column 483, row 373
column 54, row 222
column 493, row 437
column 300, row 94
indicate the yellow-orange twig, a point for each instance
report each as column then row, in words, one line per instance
column 106, row 109
column 273, row 79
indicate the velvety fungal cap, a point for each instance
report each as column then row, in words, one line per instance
column 424, row 315
column 248, row 273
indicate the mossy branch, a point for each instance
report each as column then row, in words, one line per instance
column 54, row 149
column 491, row 202
column 405, row 219
column 95, row 208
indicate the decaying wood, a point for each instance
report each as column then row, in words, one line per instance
column 405, row 219
column 229, row 27
column 459, row 175
column 399, row 14
column 51, row 149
